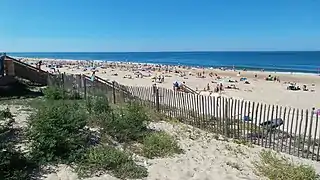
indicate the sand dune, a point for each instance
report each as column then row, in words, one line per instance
column 206, row 156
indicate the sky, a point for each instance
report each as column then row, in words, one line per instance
column 159, row 25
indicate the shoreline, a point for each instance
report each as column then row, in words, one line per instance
column 254, row 70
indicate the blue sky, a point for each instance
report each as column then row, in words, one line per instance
column 159, row 25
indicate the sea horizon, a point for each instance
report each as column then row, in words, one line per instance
column 278, row 61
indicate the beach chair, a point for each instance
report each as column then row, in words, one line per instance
column 272, row 124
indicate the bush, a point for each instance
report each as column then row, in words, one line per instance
column 6, row 114
column 13, row 164
column 107, row 158
column 100, row 111
column 57, row 93
column 129, row 124
column 101, row 105
column 56, row 132
column 282, row 169
column 160, row 144
column 54, row 93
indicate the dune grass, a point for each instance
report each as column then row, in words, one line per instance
column 281, row 168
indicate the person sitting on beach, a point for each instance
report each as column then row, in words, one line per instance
column 221, row 87
column 175, row 86
column 217, row 89
column 181, row 86
column 162, row 78
column 305, row 88
column 232, row 86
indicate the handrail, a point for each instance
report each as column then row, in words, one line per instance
column 119, row 87
column 24, row 64
column 191, row 90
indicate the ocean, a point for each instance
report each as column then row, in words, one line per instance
column 292, row 61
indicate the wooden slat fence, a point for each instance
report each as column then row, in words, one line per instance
column 298, row 131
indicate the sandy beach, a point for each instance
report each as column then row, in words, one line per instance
column 259, row 89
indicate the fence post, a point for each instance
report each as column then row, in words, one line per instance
column 114, row 92
column 84, row 86
column 63, row 87
column 226, row 118
column 62, row 80
column 48, row 79
column 157, row 100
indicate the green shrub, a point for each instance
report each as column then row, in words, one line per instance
column 276, row 168
column 100, row 111
column 160, row 144
column 56, row 132
column 89, row 105
column 54, row 93
column 129, row 124
column 6, row 114
column 101, row 105
column 74, row 95
column 131, row 170
column 107, row 158
column 57, row 93
column 13, row 163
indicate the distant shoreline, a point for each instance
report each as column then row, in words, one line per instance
column 194, row 65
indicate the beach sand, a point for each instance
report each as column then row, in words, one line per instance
column 206, row 156
column 259, row 90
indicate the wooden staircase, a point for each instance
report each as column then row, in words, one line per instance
column 23, row 70
column 9, row 67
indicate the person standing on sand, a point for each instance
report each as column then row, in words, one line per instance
column 221, row 87
column 93, row 75
column 39, row 64
column 162, row 78
column 175, row 85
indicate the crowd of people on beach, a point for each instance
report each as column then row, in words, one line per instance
column 222, row 82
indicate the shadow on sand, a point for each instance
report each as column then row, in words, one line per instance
column 12, row 87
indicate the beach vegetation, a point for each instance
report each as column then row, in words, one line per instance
column 57, row 132
column 160, row 144
column 58, row 93
column 129, row 123
column 14, row 164
column 61, row 129
column 5, row 114
column 243, row 142
column 108, row 158
column 281, row 168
